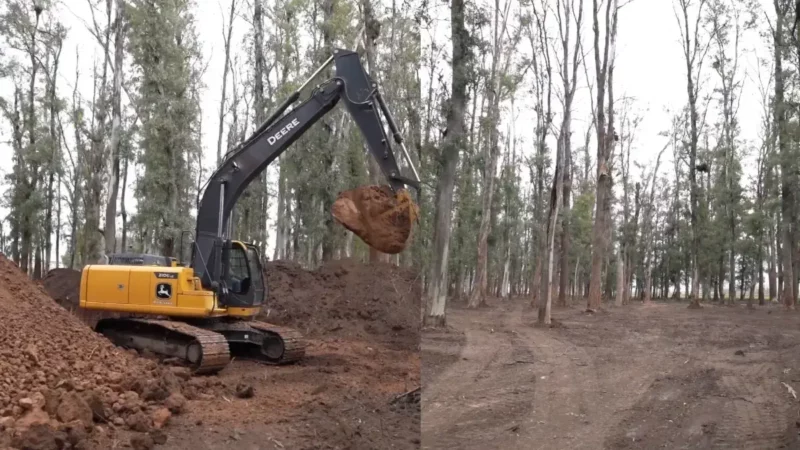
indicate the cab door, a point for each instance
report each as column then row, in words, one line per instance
column 259, row 284
column 244, row 277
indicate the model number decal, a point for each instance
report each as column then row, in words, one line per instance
column 282, row 132
column 167, row 275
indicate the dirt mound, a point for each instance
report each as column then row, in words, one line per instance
column 346, row 298
column 64, row 285
column 381, row 218
column 58, row 378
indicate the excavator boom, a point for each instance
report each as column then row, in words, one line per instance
column 363, row 101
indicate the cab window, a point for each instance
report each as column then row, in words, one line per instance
column 254, row 260
column 239, row 270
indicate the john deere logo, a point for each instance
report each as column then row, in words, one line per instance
column 164, row 291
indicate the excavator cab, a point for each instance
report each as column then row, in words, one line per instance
column 244, row 278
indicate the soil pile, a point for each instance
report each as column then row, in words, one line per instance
column 64, row 285
column 381, row 218
column 346, row 298
column 58, row 378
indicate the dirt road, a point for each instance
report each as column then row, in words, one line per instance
column 637, row 377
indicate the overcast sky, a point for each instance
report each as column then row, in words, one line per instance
column 649, row 68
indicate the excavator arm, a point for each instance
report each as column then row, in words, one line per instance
column 364, row 103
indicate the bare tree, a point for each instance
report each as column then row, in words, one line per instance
column 501, row 50
column 552, row 219
column 226, row 37
column 648, row 229
column 436, row 287
column 787, row 164
column 694, row 52
column 113, row 161
column 543, row 84
column 569, row 77
column 604, row 74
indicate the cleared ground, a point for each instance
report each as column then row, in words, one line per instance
column 362, row 325
column 636, row 377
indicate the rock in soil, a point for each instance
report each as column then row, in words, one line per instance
column 73, row 407
column 160, row 418
column 175, row 403
column 244, row 391
column 40, row 437
column 142, row 441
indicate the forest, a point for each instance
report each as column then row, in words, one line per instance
column 112, row 154
column 564, row 207
column 524, row 139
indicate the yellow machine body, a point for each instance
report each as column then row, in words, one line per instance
column 155, row 290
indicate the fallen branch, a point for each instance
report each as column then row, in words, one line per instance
column 791, row 390
column 405, row 395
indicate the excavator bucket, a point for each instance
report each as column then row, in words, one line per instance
column 381, row 218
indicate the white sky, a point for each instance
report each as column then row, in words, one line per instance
column 649, row 67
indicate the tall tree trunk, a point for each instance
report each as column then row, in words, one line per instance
column 493, row 96
column 55, row 153
column 94, row 169
column 620, row 278
column 123, row 211
column 649, row 232
column 570, row 83
column 30, row 124
column 772, row 255
column 113, row 168
column 226, row 35
column 77, row 169
column 436, row 290
column 732, row 276
column 605, row 135
column 552, row 221
column 786, row 161
column 630, row 263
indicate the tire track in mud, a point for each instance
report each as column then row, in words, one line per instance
column 567, row 396
column 479, row 402
column 755, row 416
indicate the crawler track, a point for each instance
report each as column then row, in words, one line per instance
column 206, row 351
column 262, row 341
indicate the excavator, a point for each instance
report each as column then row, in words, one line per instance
column 204, row 312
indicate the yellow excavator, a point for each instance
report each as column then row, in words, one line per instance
column 204, row 311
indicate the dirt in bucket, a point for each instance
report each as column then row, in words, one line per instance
column 381, row 218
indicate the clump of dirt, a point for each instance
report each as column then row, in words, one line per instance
column 381, row 218
column 346, row 298
column 60, row 382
